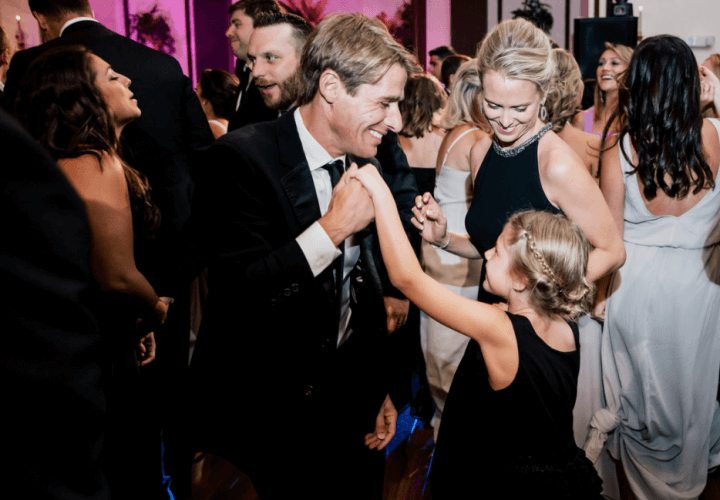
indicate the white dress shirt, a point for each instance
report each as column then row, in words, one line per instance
column 76, row 20
column 314, row 241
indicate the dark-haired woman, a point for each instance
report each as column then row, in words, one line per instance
column 661, row 339
column 217, row 90
column 75, row 105
column 423, row 111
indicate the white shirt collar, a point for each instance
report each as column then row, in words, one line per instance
column 2, row 87
column 315, row 154
column 76, row 20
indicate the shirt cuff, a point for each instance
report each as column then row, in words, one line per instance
column 318, row 248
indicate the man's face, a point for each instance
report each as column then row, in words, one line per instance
column 275, row 65
column 7, row 54
column 435, row 67
column 241, row 27
column 362, row 120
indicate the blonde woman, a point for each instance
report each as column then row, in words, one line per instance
column 611, row 68
column 526, row 165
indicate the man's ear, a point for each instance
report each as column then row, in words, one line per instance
column 5, row 57
column 330, row 86
column 41, row 20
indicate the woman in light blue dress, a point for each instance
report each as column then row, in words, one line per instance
column 661, row 338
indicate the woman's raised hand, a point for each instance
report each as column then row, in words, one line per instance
column 429, row 219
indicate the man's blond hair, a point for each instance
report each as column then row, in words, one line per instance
column 359, row 49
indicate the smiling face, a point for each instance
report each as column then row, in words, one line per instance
column 511, row 107
column 115, row 91
column 241, row 27
column 360, row 121
column 498, row 269
column 275, row 65
column 609, row 70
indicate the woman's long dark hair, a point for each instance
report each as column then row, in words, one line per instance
column 659, row 107
column 60, row 105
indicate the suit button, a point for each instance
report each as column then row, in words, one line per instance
column 287, row 292
column 295, row 287
column 309, row 390
column 326, row 343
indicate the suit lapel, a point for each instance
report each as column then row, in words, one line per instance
column 295, row 175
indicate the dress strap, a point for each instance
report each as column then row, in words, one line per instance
column 589, row 119
column 455, row 142
column 715, row 122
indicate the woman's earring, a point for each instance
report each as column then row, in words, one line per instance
column 543, row 110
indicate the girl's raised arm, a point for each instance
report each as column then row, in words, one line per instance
column 487, row 324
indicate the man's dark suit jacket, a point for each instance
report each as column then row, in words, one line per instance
column 268, row 380
column 50, row 360
column 160, row 144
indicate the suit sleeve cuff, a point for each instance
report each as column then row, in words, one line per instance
column 317, row 247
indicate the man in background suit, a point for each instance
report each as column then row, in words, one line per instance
column 50, row 361
column 161, row 144
column 289, row 372
column 249, row 107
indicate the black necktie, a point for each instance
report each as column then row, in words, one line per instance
column 336, row 168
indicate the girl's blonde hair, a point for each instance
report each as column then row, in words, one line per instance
column 625, row 53
column 519, row 51
column 551, row 253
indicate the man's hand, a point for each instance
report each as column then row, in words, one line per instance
column 350, row 211
column 397, row 312
column 146, row 349
column 384, row 426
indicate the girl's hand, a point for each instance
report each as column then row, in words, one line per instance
column 429, row 220
column 370, row 179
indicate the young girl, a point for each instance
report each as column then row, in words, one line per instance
column 507, row 427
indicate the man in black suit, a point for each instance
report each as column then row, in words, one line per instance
column 249, row 107
column 289, row 370
column 50, row 361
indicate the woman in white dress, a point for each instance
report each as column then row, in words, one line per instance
column 661, row 338
column 442, row 347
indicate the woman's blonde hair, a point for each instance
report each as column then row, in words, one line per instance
column 566, row 85
column 551, row 253
column 625, row 53
column 519, row 51
column 464, row 103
